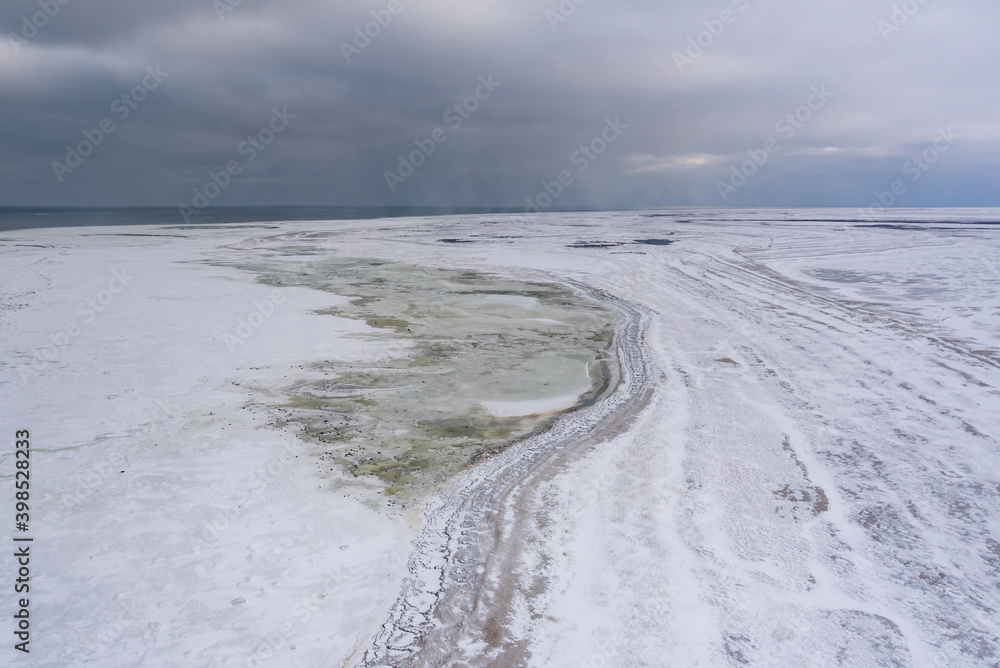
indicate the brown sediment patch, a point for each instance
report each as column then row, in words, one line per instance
column 812, row 495
column 970, row 429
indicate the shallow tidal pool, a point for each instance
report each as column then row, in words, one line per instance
column 472, row 364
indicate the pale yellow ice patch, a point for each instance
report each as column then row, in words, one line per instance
column 530, row 406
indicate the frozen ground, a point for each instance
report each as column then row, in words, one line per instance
column 797, row 461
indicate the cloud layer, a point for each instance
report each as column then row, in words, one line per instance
column 718, row 102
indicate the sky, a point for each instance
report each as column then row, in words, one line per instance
column 541, row 104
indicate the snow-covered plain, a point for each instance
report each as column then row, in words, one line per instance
column 800, row 465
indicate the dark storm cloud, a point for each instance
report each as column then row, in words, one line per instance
column 701, row 87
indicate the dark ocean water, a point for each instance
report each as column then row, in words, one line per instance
column 13, row 218
column 22, row 219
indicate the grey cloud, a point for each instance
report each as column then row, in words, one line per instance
column 354, row 120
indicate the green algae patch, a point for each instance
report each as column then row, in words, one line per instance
column 472, row 364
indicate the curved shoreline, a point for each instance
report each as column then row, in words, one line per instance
column 459, row 581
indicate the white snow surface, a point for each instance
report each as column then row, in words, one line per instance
column 814, row 481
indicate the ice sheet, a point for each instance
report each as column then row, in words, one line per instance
column 814, row 478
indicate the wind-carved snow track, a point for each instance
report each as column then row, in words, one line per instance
column 461, row 586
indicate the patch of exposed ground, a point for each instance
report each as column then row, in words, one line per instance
column 458, row 345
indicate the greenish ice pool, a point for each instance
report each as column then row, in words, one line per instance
column 472, row 363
